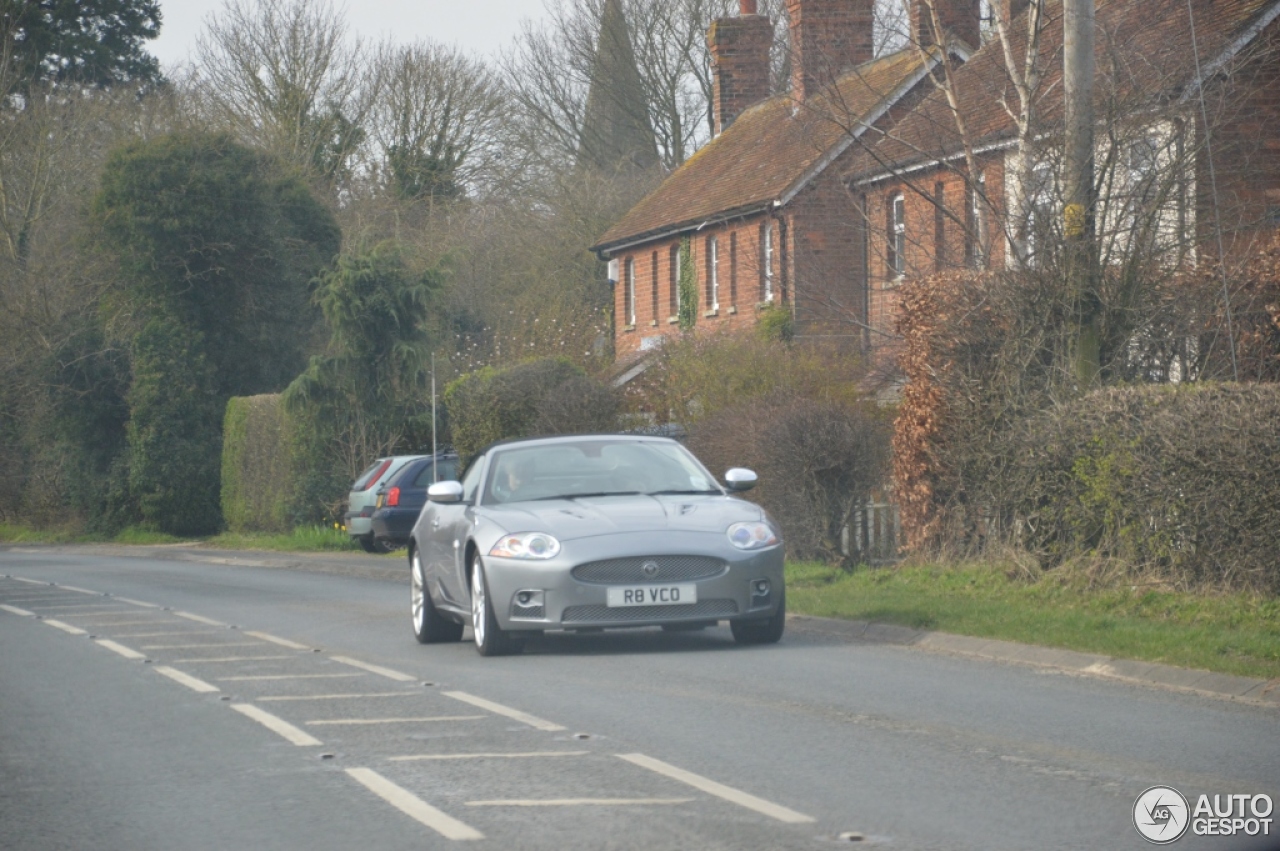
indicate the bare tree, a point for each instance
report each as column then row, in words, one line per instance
column 284, row 76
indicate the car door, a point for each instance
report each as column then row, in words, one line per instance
column 446, row 535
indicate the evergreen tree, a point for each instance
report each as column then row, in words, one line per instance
column 617, row 132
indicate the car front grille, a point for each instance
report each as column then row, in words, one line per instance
column 702, row 609
column 630, row 570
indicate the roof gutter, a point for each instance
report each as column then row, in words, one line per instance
column 1233, row 49
column 691, row 226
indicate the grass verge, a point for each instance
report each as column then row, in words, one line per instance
column 1232, row 634
column 302, row 539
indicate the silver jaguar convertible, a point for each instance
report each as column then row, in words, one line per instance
column 587, row 533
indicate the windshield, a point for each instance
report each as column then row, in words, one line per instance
column 595, row 468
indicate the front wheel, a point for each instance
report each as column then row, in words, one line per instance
column 762, row 632
column 491, row 640
column 429, row 626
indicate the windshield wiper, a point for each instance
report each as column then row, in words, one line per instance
column 681, row 492
column 585, row 495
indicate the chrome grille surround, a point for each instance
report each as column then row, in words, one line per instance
column 702, row 609
column 630, row 570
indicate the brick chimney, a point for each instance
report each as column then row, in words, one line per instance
column 740, row 63
column 962, row 19
column 828, row 37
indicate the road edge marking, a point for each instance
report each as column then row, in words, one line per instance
column 116, row 647
column 186, row 679
column 275, row 639
column 711, row 787
column 498, row 709
column 375, row 669
column 15, row 610
column 279, row 726
column 65, row 627
column 413, row 806
column 200, row 619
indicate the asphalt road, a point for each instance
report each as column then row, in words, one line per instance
column 156, row 703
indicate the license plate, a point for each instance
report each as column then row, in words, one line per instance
column 653, row 595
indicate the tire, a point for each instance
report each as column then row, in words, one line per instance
column 366, row 543
column 384, row 546
column 491, row 639
column 429, row 626
column 765, row 631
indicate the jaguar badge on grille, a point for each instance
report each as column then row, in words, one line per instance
column 649, row 569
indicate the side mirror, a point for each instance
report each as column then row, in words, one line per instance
column 445, row 492
column 740, row 479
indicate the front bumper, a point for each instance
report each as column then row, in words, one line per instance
column 571, row 603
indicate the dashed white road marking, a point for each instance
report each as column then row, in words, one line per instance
column 499, row 709
column 217, row 646
column 94, row 623
column 579, row 802
column 231, row 659
column 413, row 806
column 345, row 696
column 65, row 627
column 375, row 669
column 288, row 677
column 274, row 639
column 276, row 725
column 524, row 755
column 136, row 603
column 28, row 581
column 126, row 652
column 711, row 787
column 15, row 610
column 200, row 619
column 80, row 590
column 357, row 722
column 183, row 632
column 186, row 679
column 80, row 607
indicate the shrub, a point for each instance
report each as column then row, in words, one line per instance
column 542, row 396
column 257, row 482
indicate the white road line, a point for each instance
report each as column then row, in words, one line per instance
column 65, row 627
column 94, row 623
column 375, row 669
column 413, row 806
column 15, row 610
column 289, row 697
column 231, row 659
column 438, row 756
column 136, row 603
column 289, row 677
column 356, row 722
column 580, row 802
column 711, row 787
column 126, row 652
column 283, row 642
column 186, row 679
column 28, row 581
column 83, row 606
column 80, row 590
column 200, row 619
column 183, row 632
column 276, row 725
column 201, row 646
column 499, row 709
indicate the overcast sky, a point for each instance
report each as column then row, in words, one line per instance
column 478, row 26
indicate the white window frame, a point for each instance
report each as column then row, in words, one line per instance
column 768, row 261
column 713, row 270
column 978, row 221
column 631, row 291
column 897, row 236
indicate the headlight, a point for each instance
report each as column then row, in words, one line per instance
column 534, row 545
column 752, row 536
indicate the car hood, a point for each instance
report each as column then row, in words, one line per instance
column 569, row 519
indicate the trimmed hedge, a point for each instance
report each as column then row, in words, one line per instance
column 257, row 480
column 1182, row 482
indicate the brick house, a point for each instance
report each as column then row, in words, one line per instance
column 763, row 207
column 824, row 200
column 1163, row 67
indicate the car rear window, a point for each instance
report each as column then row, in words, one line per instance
column 371, row 475
column 446, row 469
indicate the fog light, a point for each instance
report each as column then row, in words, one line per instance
column 528, row 604
column 760, row 588
column 524, row 597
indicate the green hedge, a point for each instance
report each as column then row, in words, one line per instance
column 257, row 476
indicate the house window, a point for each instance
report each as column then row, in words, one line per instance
column 733, row 268
column 653, row 285
column 630, row 292
column 1040, row 214
column 713, row 274
column 766, row 262
column 673, row 297
column 975, row 251
column 897, row 235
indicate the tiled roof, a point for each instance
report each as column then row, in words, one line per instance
column 1144, row 53
column 768, row 150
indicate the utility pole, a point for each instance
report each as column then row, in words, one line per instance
column 1080, row 202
